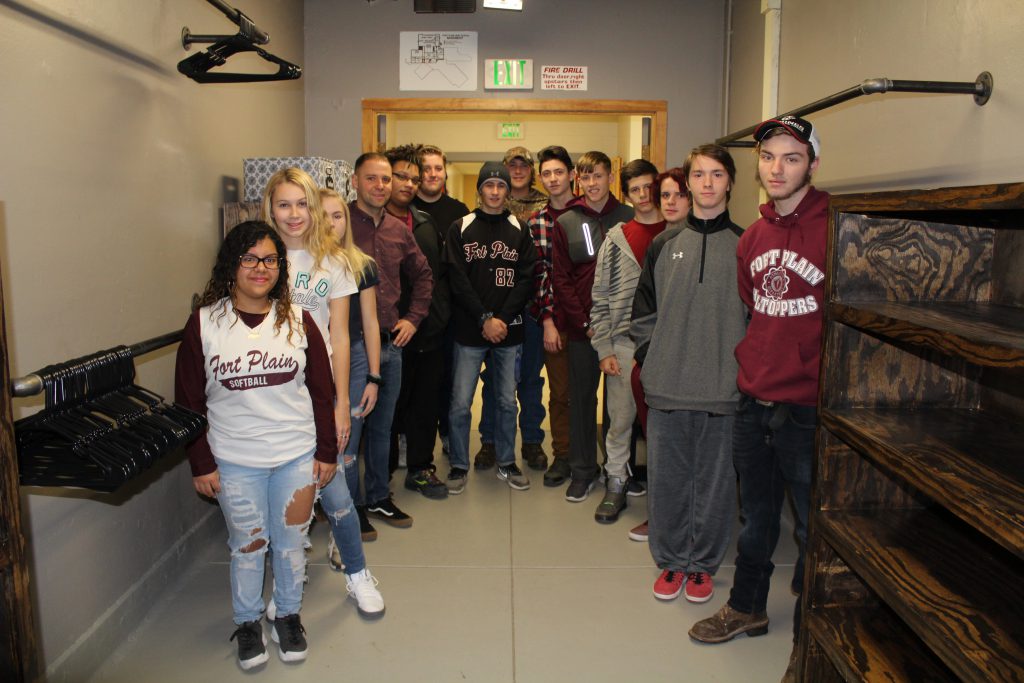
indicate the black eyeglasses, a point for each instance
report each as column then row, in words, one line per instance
column 251, row 261
column 415, row 180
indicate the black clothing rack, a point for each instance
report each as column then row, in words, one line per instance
column 99, row 428
column 199, row 66
column 980, row 88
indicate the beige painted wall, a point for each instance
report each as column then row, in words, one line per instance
column 898, row 140
column 110, row 188
column 745, row 78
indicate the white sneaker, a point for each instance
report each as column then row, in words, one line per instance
column 333, row 556
column 362, row 587
column 271, row 611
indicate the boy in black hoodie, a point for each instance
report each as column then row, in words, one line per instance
column 490, row 256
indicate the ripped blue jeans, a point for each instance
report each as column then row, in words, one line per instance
column 341, row 514
column 266, row 506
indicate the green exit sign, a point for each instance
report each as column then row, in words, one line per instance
column 508, row 74
column 510, row 131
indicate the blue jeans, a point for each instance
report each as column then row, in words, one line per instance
column 265, row 506
column 529, row 387
column 770, row 458
column 468, row 360
column 359, row 366
column 341, row 514
column 378, row 427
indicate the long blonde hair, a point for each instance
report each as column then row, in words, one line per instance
column 358, row 260
column 319, row 239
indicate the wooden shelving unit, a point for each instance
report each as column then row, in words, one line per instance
column 916, row 547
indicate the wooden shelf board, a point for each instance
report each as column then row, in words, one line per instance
column 966, row 604
column 870, row 644
column 982, row 333
column 972, row 205
column 971, row 462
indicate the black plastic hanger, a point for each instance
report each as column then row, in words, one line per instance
column 197, row 67
column 98, row 429
column 248, row 39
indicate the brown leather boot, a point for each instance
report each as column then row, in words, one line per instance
column 727, row 623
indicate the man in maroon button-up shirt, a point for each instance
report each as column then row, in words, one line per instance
column 393, row 247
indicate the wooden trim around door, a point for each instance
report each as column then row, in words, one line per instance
column 656, row 109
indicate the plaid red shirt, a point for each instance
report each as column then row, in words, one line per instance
column 541, row 224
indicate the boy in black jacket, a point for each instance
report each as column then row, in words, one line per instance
column 490, row 256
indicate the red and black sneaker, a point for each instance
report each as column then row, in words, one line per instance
column 699, row 587
column 669, row 585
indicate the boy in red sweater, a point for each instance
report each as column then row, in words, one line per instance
column 780, row 264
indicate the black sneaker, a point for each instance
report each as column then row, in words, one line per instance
column 366, row 530
column 579, row 489
column 614, row 501
column 456, row 483
column 513, row 476
column 535, row 457
column 558, row 472
column 290, row 637
column 252, row 645
column 389, row 512
column 485, row 457
column 636, row 488
column 427, row 483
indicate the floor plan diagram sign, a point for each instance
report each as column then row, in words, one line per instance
column 437, row 60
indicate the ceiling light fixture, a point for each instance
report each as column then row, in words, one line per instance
column 504, row 4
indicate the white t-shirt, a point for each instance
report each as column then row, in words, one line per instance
column 313, row 288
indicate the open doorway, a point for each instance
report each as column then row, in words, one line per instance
column 472, row 131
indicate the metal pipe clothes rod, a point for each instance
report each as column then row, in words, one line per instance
column 980, row 88
column 32, row 384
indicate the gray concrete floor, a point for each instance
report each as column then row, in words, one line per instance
column 493, row 585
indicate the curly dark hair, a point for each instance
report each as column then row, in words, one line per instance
column 222, row 277
column 410, row 153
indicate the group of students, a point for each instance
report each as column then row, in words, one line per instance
column 291, row 370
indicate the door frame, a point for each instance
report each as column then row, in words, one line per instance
column 657, row 110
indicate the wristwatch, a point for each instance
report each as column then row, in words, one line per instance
column 484, row 317
column 374, row 379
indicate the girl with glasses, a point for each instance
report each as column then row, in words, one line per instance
column 257, row 367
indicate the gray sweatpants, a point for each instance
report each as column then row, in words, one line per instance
column 691, row 489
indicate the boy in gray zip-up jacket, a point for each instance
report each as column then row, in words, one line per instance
column 687, row 320
column 615, row 278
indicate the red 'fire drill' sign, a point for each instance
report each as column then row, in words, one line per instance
column 563, row 78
